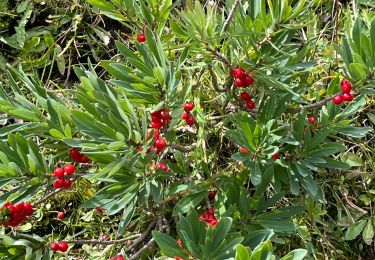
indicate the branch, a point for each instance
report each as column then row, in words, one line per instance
column 101, row 242
column 137, row 254
column 47, row 197
column 142, row 237
column 184, row 149
column 222, row 58
column 230, row 15
column 314, row 105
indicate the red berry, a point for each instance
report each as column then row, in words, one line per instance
column 185, row 115
column 69, row 169
column 179, row 243
column 105, row 237
column 243, row 150
column 156, row 113
column 162, row 166
column 63, row 247
column 55, row 246
column 346, row 86
column 60, row 215
column 212, row 223
column 141, row 38
column 238, row 73
column 58, row 173
column 190, row 120
column 119, row 257
column 212, row 194
column 57, row 184
column 66, row 184
column 138, row 150
column 347, row 97
column 276, row 156
column 20, row 207
column 245, row 96
column 248, row 80
column 311, row 120
column 338, row 99
column 156, row 125
column 84, row 159
column 178, row 258
column 160, row 143
column 75, row 154
column 164, row 114
column 240, row 82
column 28, row 209
column 250, row 105
column 189, row 106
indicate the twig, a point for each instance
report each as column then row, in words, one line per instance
column 101, row 242
column 166, row 225
column 137, row 254
column 184, row 149
column 142, row 237
column 314, row 105
column 221, row 57
column 47, row 197
column 230, row 15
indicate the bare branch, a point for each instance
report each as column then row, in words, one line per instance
column 230, row 15
column 47, row 197
column 101, row 242
column 142, row 237
column 314, row 105
column 222, row 58
column 137, row 254
column 184, row 149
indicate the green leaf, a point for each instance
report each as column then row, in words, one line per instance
column 368, row 232
column 297, row 254
column 354, row 230
column 358, row 71
column 256, row 174
column 168, row 245
column 262, row 251
column 56, row 133
column 242, row 253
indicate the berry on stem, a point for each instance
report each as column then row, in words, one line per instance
column 141, row 38
column 63, row 247
column 60, row 215
column 311, row 120
column 160, row 143
column 346, row 86
column 243, row 150
column 69, row 169
column 240, row 82
column 189, row 106
column 249, row 80
column 190, row 120
column 59, row 173
column 250, row 105
column 245, row 96
column 338, row 99
column 238, row 73
column 347, row 97
column 84, row 159
column 75, row 154
column 185, row 115
column 276, row 156
column 55, row 246
column 162, row 166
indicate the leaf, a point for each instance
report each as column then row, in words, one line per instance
column 168, row 245
column 242, row 253
column 358, row 71
column 354, row 230
column 188, row 202
column 262, row 251
column 256, row 174
column 20, row 29
column 368, row 233
column 297, row 254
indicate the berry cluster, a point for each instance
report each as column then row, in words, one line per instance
column 186, row 115
column 77, row 156
column 345, row 94
column 61, row 246
column 162, row 167
column 59, row 173
column 242, row 79
column 209, row 217
column 160, row 118
column 119, row 257
column 14, row 215
column 247, row 98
